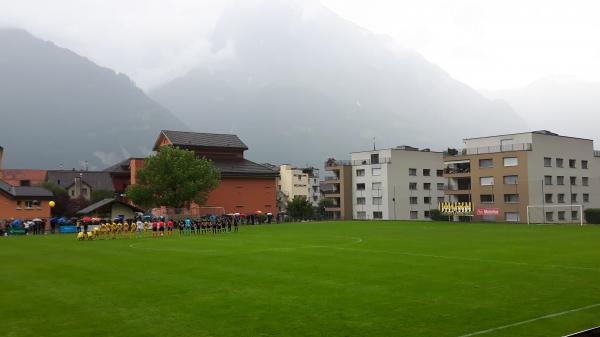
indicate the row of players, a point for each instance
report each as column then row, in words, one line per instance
column 157, row 227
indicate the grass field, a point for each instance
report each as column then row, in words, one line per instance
column 314, row 279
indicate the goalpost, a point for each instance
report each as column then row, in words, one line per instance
column 554, row 214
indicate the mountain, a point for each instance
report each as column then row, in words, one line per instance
column 562, row 104
column 300, row 84
column 60, row 108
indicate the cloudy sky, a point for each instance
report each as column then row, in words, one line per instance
column 491, row 44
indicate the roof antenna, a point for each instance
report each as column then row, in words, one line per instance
column 374, row 144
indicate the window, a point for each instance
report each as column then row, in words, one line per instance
column 486, row 198
column 427, row 214
column 378, row 215
column 72, row 193
column 360, row 187
column 547, row 180
column 511, row 198
column 427, row 200
column 561, row 198
column 440, row 199
column 25, row 183
column 573, row 181
column 361, row 215
column 548, row 198
column 376, row 186
column 561, row 215
column 573, row 197
column 412, row 186
column 414, row 214
column 440, row 173
column 299, row 178
column 360, row 173
column 584, row 164
column 512, row 217
column 18, row 204
column 84, row 191
column 560, row 180
column 559, row 162
column 486, row 163
column 572, row 163
column 376, row 171
column 426, row 172
column 586, row 197
column 440, row 186
column 511, row 161
column 547, row 162
column 486, row 181
column 375, row 158
column 29, row 204
column 361, row 201
column 412, row 171
column 574, row 215
column 585, row 181
column 549, row 216
column 413, row 200
column 426, row 186
column 511, row 180
column 377, row 200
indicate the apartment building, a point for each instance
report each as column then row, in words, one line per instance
column 501, row 175
column 339, row 188
column 293, row 182
column 396, row 184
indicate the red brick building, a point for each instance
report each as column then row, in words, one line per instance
column 245, row 187
column 20, row 200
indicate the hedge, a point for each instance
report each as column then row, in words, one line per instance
column 592, row 215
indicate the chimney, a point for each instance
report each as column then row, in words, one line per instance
column 1, row 155
column 78, row 186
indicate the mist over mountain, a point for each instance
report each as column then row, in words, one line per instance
column 300, row 84
column 561, row 104
column 60, row 108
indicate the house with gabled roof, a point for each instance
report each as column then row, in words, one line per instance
column 245, row 186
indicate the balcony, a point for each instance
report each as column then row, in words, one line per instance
column 331, row 192
column 596, row 153
column 387, row 160
column 333, row 162
column 490, row 149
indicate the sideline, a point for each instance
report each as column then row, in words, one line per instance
column 531, row 320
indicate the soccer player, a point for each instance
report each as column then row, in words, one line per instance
column 180, row 224
column 139, row 227
column 235, row 224
column 188, row 225
column 154, row 228
column 161, row 227
column 170, row 227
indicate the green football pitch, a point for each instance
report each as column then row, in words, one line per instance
column 312, row 279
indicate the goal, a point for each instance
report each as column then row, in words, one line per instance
column 555, row 214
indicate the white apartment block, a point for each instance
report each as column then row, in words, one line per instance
column 304, row 182
column 401, row 183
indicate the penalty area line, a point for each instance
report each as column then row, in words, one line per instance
column 562, row 313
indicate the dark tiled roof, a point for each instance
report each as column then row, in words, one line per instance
column 122, row 166
column 103, row 203
column 243, row 168
column 95, row 179
column 25, row 191
column 197, row 139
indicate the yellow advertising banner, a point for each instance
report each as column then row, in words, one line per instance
column 456, row 208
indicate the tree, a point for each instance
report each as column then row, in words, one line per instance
column 300, row 207
column 324, row 203
column 61, row 198
column 101, row 194
column 174, row 178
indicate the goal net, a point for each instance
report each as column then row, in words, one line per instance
column 555, row 214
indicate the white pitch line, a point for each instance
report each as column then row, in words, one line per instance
column 531, row 320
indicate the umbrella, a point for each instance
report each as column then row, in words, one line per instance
column 87, row 219
column 258, row 212
column 37, row 220
column 242, row 214
column 237, row 214
column 16, row 222
column 269, row 213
